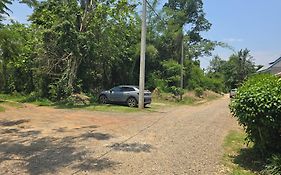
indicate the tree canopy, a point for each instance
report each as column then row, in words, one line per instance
column 75, row 46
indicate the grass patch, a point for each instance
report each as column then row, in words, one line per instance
column 15, row 100
column 12, row 97
column 111, row 108
column 189, row 98
column 168, row 99
column 42, row 102
column 240, row 159
column 2, row 109
column 106, row 108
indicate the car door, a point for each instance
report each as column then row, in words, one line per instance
column 127, row 92
column 115, row 94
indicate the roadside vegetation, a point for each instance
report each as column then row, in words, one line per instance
column 77, row 47
column 257, row 108
column 160, row 100
column 239, row 157
column 188, row 98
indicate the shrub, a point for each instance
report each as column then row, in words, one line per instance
column 214, row 84
column 77, row 100
column 199, row 92
column 176, row 91
column 257, row 107
column 155, row 81
column 274, row 166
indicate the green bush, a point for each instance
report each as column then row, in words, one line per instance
column 199, row 92
column 176, row 91
column 274, row 166
column 214, row 84
column 155, row 81
column 257, row 107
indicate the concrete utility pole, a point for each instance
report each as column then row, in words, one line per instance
column 142, row 56
column 182, row 57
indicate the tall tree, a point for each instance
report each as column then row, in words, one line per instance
column 88, row 41
column 185, row 17
column 235, row 70
column 216, row 65
column 16, row 58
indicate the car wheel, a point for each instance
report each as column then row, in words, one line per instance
column 103, row 99
column 132, row 102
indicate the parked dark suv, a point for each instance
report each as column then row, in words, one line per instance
column 124, row 94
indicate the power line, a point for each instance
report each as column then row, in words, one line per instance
column 154, row 11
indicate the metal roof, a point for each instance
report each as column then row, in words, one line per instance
column 271, row 65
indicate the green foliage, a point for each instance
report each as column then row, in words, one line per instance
column 274, row 165
column 238, row 68
column 176, row 91
column 171, row 72
column 4, row 8
column 195, row 78
column 233, row 72
column 84, row 46
column 16, row 58
column 215, row 84
column 199, row 92
column 155, row 81
column 12, row 97
column 257, row 106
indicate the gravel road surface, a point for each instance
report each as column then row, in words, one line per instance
column 172, row 141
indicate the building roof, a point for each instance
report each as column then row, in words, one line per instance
column 275, row 62
column 271, row 65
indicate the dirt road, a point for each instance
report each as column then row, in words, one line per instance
column 178, row 140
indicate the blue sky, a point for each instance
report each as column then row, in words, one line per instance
column 252, row 24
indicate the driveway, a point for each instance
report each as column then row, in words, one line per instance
column 177, row 140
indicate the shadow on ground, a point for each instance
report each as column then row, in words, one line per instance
column 97, row 136
column 65, row 129
column 30, row 152
column 132, row 147
column 96, row 164
column 13, row 122
column 249, row 159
